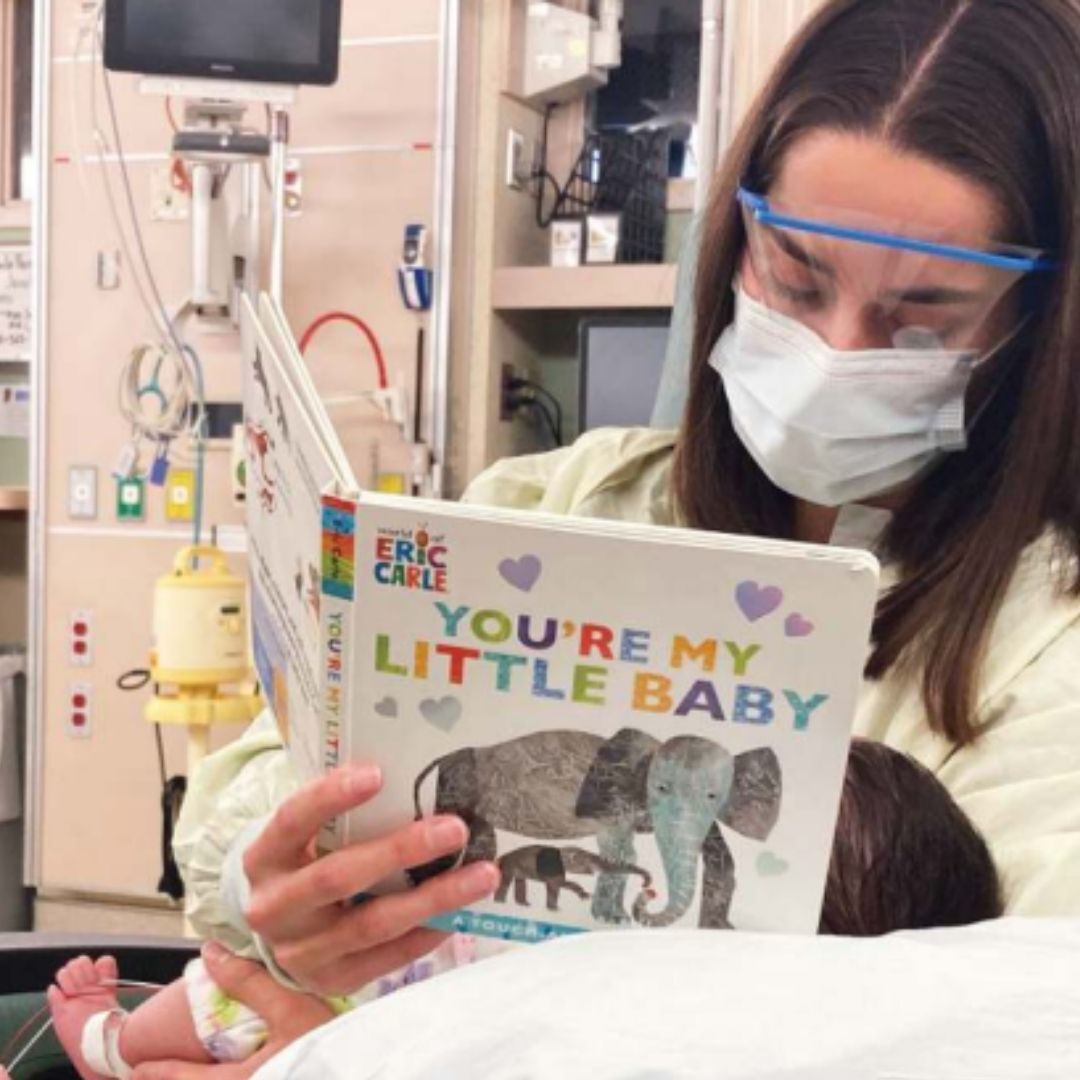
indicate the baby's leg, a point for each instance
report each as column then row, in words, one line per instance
column 161, row 1029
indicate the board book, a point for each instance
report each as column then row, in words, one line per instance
column 642, row 726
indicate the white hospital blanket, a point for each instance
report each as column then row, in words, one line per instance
column 995, row 1002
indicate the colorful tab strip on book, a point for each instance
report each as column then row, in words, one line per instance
column 338, row 548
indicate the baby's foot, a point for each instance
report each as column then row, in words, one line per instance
column 83, row 987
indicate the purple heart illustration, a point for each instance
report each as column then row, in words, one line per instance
column 756, row 601
column 797, row 626
column 522, row 573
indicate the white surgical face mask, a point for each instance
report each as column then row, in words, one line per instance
column 837, row 427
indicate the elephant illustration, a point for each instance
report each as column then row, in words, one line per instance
column 564, row 785
column 543, row 862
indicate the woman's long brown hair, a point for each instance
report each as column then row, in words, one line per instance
column 989, row 89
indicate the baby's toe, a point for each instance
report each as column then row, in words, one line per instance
column 107, row 971
column 65, row 979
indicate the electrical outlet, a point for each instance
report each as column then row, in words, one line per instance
column 82, row 492
column 507, row 394
column 80, row 704
column 294, row 187
column 180, row 495
column 168, row 200
column 82, row 639
column 517, row 166
column 131, row 499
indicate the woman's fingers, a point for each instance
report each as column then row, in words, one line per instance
column 283, row 1011
column 283, row 844
column 349, row 974
column 385, row 919
column 342, row 874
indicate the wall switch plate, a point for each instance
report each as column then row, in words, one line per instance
column 82, row 492
column 131, row 499
column 517, row 167
column 108, row 270
column 80, row 710
column 82, row 638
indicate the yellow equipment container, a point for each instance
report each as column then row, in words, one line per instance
column 201, row 646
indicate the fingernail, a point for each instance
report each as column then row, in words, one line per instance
column 214, row 951
column 448, row 832
column 362, row 779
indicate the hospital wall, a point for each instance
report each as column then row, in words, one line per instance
column 364, row 146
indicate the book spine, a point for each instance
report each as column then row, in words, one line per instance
column 336, row 616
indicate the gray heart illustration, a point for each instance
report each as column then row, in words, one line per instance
column 770, row 865
column 522, row 573
column 443, row 713
column 387, row 707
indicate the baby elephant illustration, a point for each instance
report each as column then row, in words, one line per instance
column 566, row 785
column 541, row 862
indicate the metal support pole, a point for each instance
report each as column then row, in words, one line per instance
column 279, row 140
column 709, row 107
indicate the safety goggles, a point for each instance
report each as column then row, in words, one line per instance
column 864, row 283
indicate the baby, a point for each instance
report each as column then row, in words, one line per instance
column 904, row 857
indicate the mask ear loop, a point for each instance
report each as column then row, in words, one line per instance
column 1003, row 376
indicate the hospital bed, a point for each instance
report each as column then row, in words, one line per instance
column 28, row 963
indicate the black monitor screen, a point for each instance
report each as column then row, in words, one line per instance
column 262, row 40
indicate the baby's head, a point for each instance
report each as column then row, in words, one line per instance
column 905, row 856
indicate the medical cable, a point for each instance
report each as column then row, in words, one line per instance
column 167, row 427
column 527, row 392
column 105, row 151
column 119, row 984
column 353, row 320
column 545, row 412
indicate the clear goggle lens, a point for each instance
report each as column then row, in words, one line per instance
column 864, row 283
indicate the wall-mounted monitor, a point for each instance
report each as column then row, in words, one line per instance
column 263, row 41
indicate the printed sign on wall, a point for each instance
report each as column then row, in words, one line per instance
column 15, row 284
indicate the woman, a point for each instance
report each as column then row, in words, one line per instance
column 887, row 332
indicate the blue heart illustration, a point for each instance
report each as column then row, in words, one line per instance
column 770, row 865
column 443, row 713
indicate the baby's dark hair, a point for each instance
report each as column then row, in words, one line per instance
column 905, row 856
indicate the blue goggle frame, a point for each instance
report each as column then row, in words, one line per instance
column 758, row 205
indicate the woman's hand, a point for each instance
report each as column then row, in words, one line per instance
column 298, row 904
column 287, row 1014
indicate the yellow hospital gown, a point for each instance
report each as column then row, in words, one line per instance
column 1019, row 783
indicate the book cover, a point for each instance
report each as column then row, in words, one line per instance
column 641, row 726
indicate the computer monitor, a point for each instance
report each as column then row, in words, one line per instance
column 621, row 359
column 262, row 41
